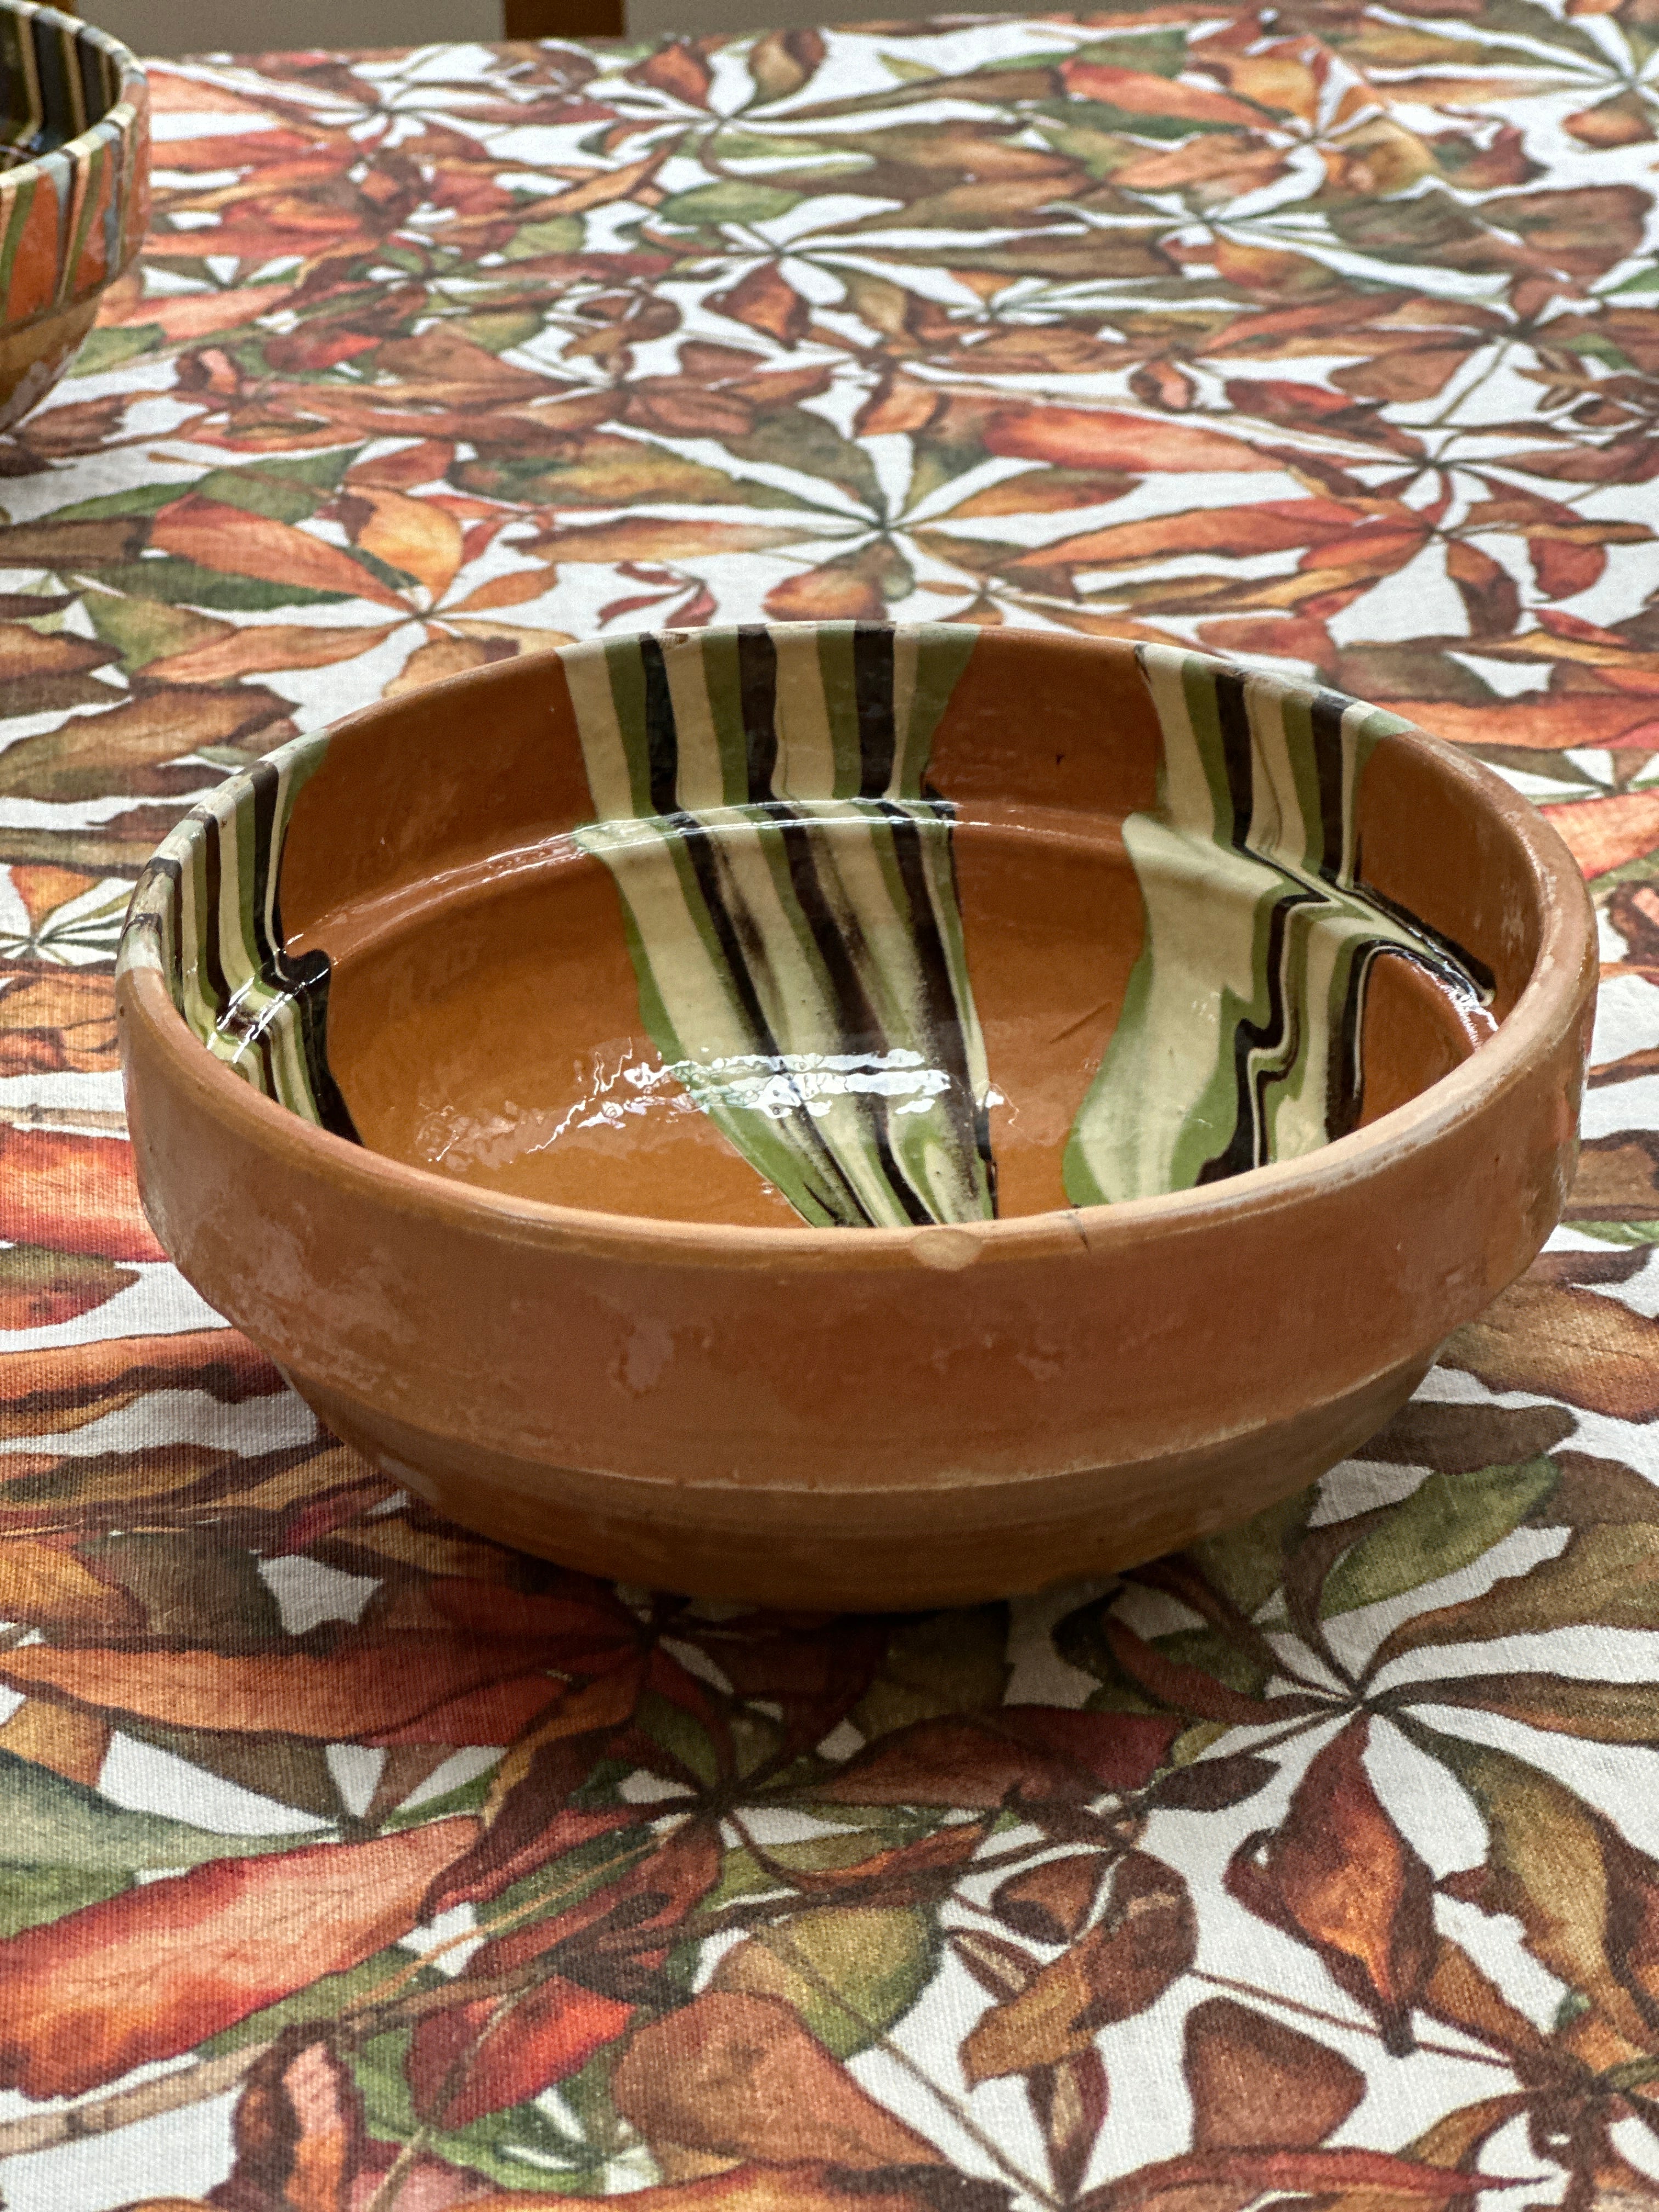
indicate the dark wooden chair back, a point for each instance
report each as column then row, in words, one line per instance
column 561, row 19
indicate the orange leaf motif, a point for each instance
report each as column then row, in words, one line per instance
column 372, row 1689
column 1031, row 1752
column 468, row 2060
column 805, row 2188
column 1122, row 1966
column 416, row 536
column 766, row 300
column 72, row 1193
column 1103, row 438
column 740, row 2077
column 157, row 1970
column 1050, row 1901
column 1256, row 2082
column 1140, row 93
column 1339, row 1876
column 234, row 543
column 265, row 646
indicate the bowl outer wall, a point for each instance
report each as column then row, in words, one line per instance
column 856, row 1390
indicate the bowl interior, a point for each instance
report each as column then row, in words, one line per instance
column 845, row 924
column 57, row 78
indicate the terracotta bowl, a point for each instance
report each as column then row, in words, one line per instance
column 857, row 1117
column 73, row 189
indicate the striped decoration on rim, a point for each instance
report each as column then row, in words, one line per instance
column 74, row 126
column 206, row 915
column 787, row 884
column 791, row 905
column 1248, row 870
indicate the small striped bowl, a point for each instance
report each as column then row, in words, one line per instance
column 73, row 189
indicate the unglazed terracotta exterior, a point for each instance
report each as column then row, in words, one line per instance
column 77, row 103
column 856, row 1117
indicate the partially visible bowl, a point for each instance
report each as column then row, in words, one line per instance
column 73, row 189
column 857, row 1117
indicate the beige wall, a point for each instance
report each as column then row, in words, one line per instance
column 187, row 27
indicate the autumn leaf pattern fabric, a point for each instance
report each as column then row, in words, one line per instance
column 348, row 1863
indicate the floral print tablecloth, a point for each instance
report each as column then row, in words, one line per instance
column 350, row 1862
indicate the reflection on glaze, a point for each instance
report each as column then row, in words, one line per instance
column 205, row 912
column 791, row 905
column 1239, row 1041
column 617, row 1091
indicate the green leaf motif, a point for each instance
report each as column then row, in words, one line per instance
column 1157, row 53
column 259, row 492
column 521, row 2149
column 849, row 1971
column 138, row 499
column 66, row 1846
column 559, row 233
column 1248, row 1562
column 728, row 201
column 742, row 1874
column 107, row 349
column 329, row 1998
column 30, row 1896
column 938, row 1663
column 1446, row 1524
column 34, row 1274
column 183, row 582
column 500, row 331
column 143, row 630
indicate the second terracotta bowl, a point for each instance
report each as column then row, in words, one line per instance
column 73, row 189
column 856, row 1117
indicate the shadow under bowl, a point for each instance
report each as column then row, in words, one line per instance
column 73, row 189
column 847, row 1116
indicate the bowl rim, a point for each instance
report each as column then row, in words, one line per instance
column 1556, row 996
column 116, row 126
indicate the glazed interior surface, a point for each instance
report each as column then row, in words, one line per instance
column 55, row 82
column 847, row 926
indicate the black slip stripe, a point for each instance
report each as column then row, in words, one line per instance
column 94, row 81
column 856, row 1019
column 174, row 869
column 1244, row 1147
column 1461, row 966
column 695, row 841
column 1344, row 1078
column 1276, row 1064
column 743, row 948
column 1326, row 714
column 872, row 691
column 265, row 780
column 56, row 98
column 946, row 1040
column 758, row 688
column 662, row 748
column 208, row 959
column 19, row 123
column 307, row 980
column 1344, row 1088
column 1234, row 721
column 144, row 921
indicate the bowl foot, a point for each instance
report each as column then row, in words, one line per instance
column 949, row 1539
